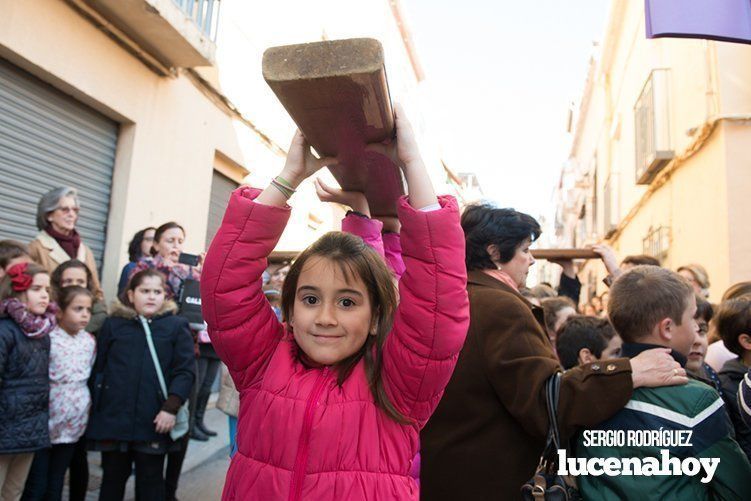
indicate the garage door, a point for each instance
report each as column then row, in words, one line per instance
column 48, row 140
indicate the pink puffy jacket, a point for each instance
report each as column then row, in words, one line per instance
column 387, row 245
column 300, row 435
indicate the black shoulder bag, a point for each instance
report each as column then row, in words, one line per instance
column 190, row 301
column 547, row 484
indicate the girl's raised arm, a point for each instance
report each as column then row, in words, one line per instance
column 432, row 318
column 242, row 325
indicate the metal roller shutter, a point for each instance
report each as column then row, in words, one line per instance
column 221, row 189
column 48, row 140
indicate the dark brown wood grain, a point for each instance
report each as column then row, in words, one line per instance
column 337, row 94
column 552, row 254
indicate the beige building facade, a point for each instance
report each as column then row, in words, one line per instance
column 661, row 157
column 179, row 81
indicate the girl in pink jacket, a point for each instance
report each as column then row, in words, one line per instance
column 332, row 400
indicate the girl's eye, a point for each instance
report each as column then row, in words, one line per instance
column 347, row 302
column 311, row 300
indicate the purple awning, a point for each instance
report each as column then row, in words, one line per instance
column 725, row 20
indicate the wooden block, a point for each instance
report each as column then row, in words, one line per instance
column 277, row 257
column 337, row 94
column 551, row 254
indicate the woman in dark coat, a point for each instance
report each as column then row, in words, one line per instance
column 486, row 436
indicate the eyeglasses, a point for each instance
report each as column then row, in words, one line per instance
column 68, row 210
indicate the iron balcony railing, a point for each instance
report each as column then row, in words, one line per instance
column 205, row 13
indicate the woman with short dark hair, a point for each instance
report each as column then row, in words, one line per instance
column 140, row 246
column 486, row 436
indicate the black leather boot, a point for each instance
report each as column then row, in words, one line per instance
column 201, row 426
column 197, row 434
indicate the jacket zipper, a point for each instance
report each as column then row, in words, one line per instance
column 301, row 461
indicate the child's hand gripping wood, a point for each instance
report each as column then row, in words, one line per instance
column 301, row 163
column 355, row 200
column 405, row 153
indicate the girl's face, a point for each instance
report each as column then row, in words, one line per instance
column 76, row 316
column 331, row 316
column 148, row 297
column 277, row 278
column 699, row 348
column 170, row 245
column 518, row 267
column 74, row 276
column 37, row 297
column 147, row 242
column 64, row 217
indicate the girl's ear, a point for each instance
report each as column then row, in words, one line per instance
column 130, row 297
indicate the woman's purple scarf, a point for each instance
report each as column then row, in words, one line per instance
column 33, row 326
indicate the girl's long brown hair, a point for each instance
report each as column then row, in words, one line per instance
column 355, row 259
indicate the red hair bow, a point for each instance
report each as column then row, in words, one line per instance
column 18, row 277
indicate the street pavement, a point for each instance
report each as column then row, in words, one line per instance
column 203, row 470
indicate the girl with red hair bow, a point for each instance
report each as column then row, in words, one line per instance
column 26, row 318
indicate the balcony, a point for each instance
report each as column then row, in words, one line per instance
column 177, row 33
column 610, row 205
column 652, row 123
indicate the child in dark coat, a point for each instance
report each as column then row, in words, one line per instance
column 26, row 318
column 131, row 418
column 733, row 324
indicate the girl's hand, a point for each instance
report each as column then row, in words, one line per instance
column 164, row 422
column 353, row 199
column 405, row 153
column 301, row 162
column 390, row 223
column 607, row 254
column 403, row 150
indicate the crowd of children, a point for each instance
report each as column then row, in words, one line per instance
column 73, row 378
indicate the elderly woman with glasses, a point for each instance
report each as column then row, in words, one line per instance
column 57, row 240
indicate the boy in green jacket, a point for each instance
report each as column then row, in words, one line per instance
column 671, row 442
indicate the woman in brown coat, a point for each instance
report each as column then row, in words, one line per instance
column 57, row 240
column 486, row 436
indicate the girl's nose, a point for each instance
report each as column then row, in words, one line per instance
column 326, row 316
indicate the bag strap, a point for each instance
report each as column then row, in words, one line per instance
column 154, row 358
column 552, row 391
